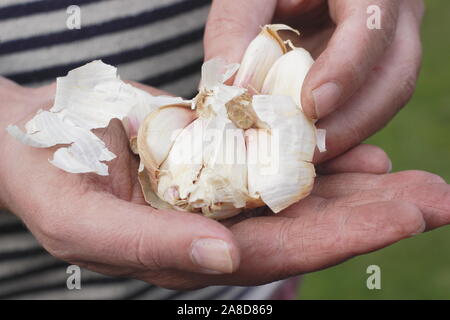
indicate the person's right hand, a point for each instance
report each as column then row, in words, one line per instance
column 103, row 223
column 361, row 77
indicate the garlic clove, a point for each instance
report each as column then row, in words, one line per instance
column 295, row 132
column 279, row 168
column 158, row 132
column 137, row 115
column 259, row 57
column 287, row 74
column 179, row 172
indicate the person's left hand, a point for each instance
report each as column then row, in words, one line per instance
column 361, row 77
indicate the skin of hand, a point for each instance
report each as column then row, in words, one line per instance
column 103, row 224
column 361, row 77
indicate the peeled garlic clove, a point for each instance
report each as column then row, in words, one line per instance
column 287, row 74
column 259, row 57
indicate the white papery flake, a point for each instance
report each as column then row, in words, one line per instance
column 89, row 97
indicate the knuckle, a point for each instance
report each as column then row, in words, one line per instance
column 417, row 7
column 409, row 219
column 420, row 7
column 355, row 133
column 146, row 251
column 287, row 234
column 351, row 72
column 290, row 240
column 6, row 84
column 306, row 243
column 406, row 88
column 409, row 72
column 390, row 11
column 56, row 229
column 52, row 233
column 9, row 91
column 224, row 24
column 51, row 227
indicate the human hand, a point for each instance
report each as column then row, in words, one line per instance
column 103, row 223
column 361, row 77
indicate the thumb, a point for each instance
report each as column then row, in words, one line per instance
column 125, row 234
column 232, row 25
column 350, row 57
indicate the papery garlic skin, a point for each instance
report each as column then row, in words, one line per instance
column 87, row 98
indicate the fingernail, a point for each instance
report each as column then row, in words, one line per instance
column 421, row 229
column 212, row 255
column 390, row 166
column 326, row 97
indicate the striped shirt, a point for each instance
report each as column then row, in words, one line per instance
column 156, row 42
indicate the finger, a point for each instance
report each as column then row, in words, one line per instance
column 347, row 184
column 5, row 82
column 433, row 200
column 232, row 25
column 295, row 8
column 352, row 52
column 388, row 88
column 320, row 239
column 25, row 100
column 106, row 230
column 429, row 192
column 362, row 158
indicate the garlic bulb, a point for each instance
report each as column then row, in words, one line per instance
column 227, row 150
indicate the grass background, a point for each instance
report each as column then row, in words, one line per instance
column 418, row 138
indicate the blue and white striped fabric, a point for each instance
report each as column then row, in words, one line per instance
column 156, row 42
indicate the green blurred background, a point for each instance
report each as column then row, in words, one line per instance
column 418, row 138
